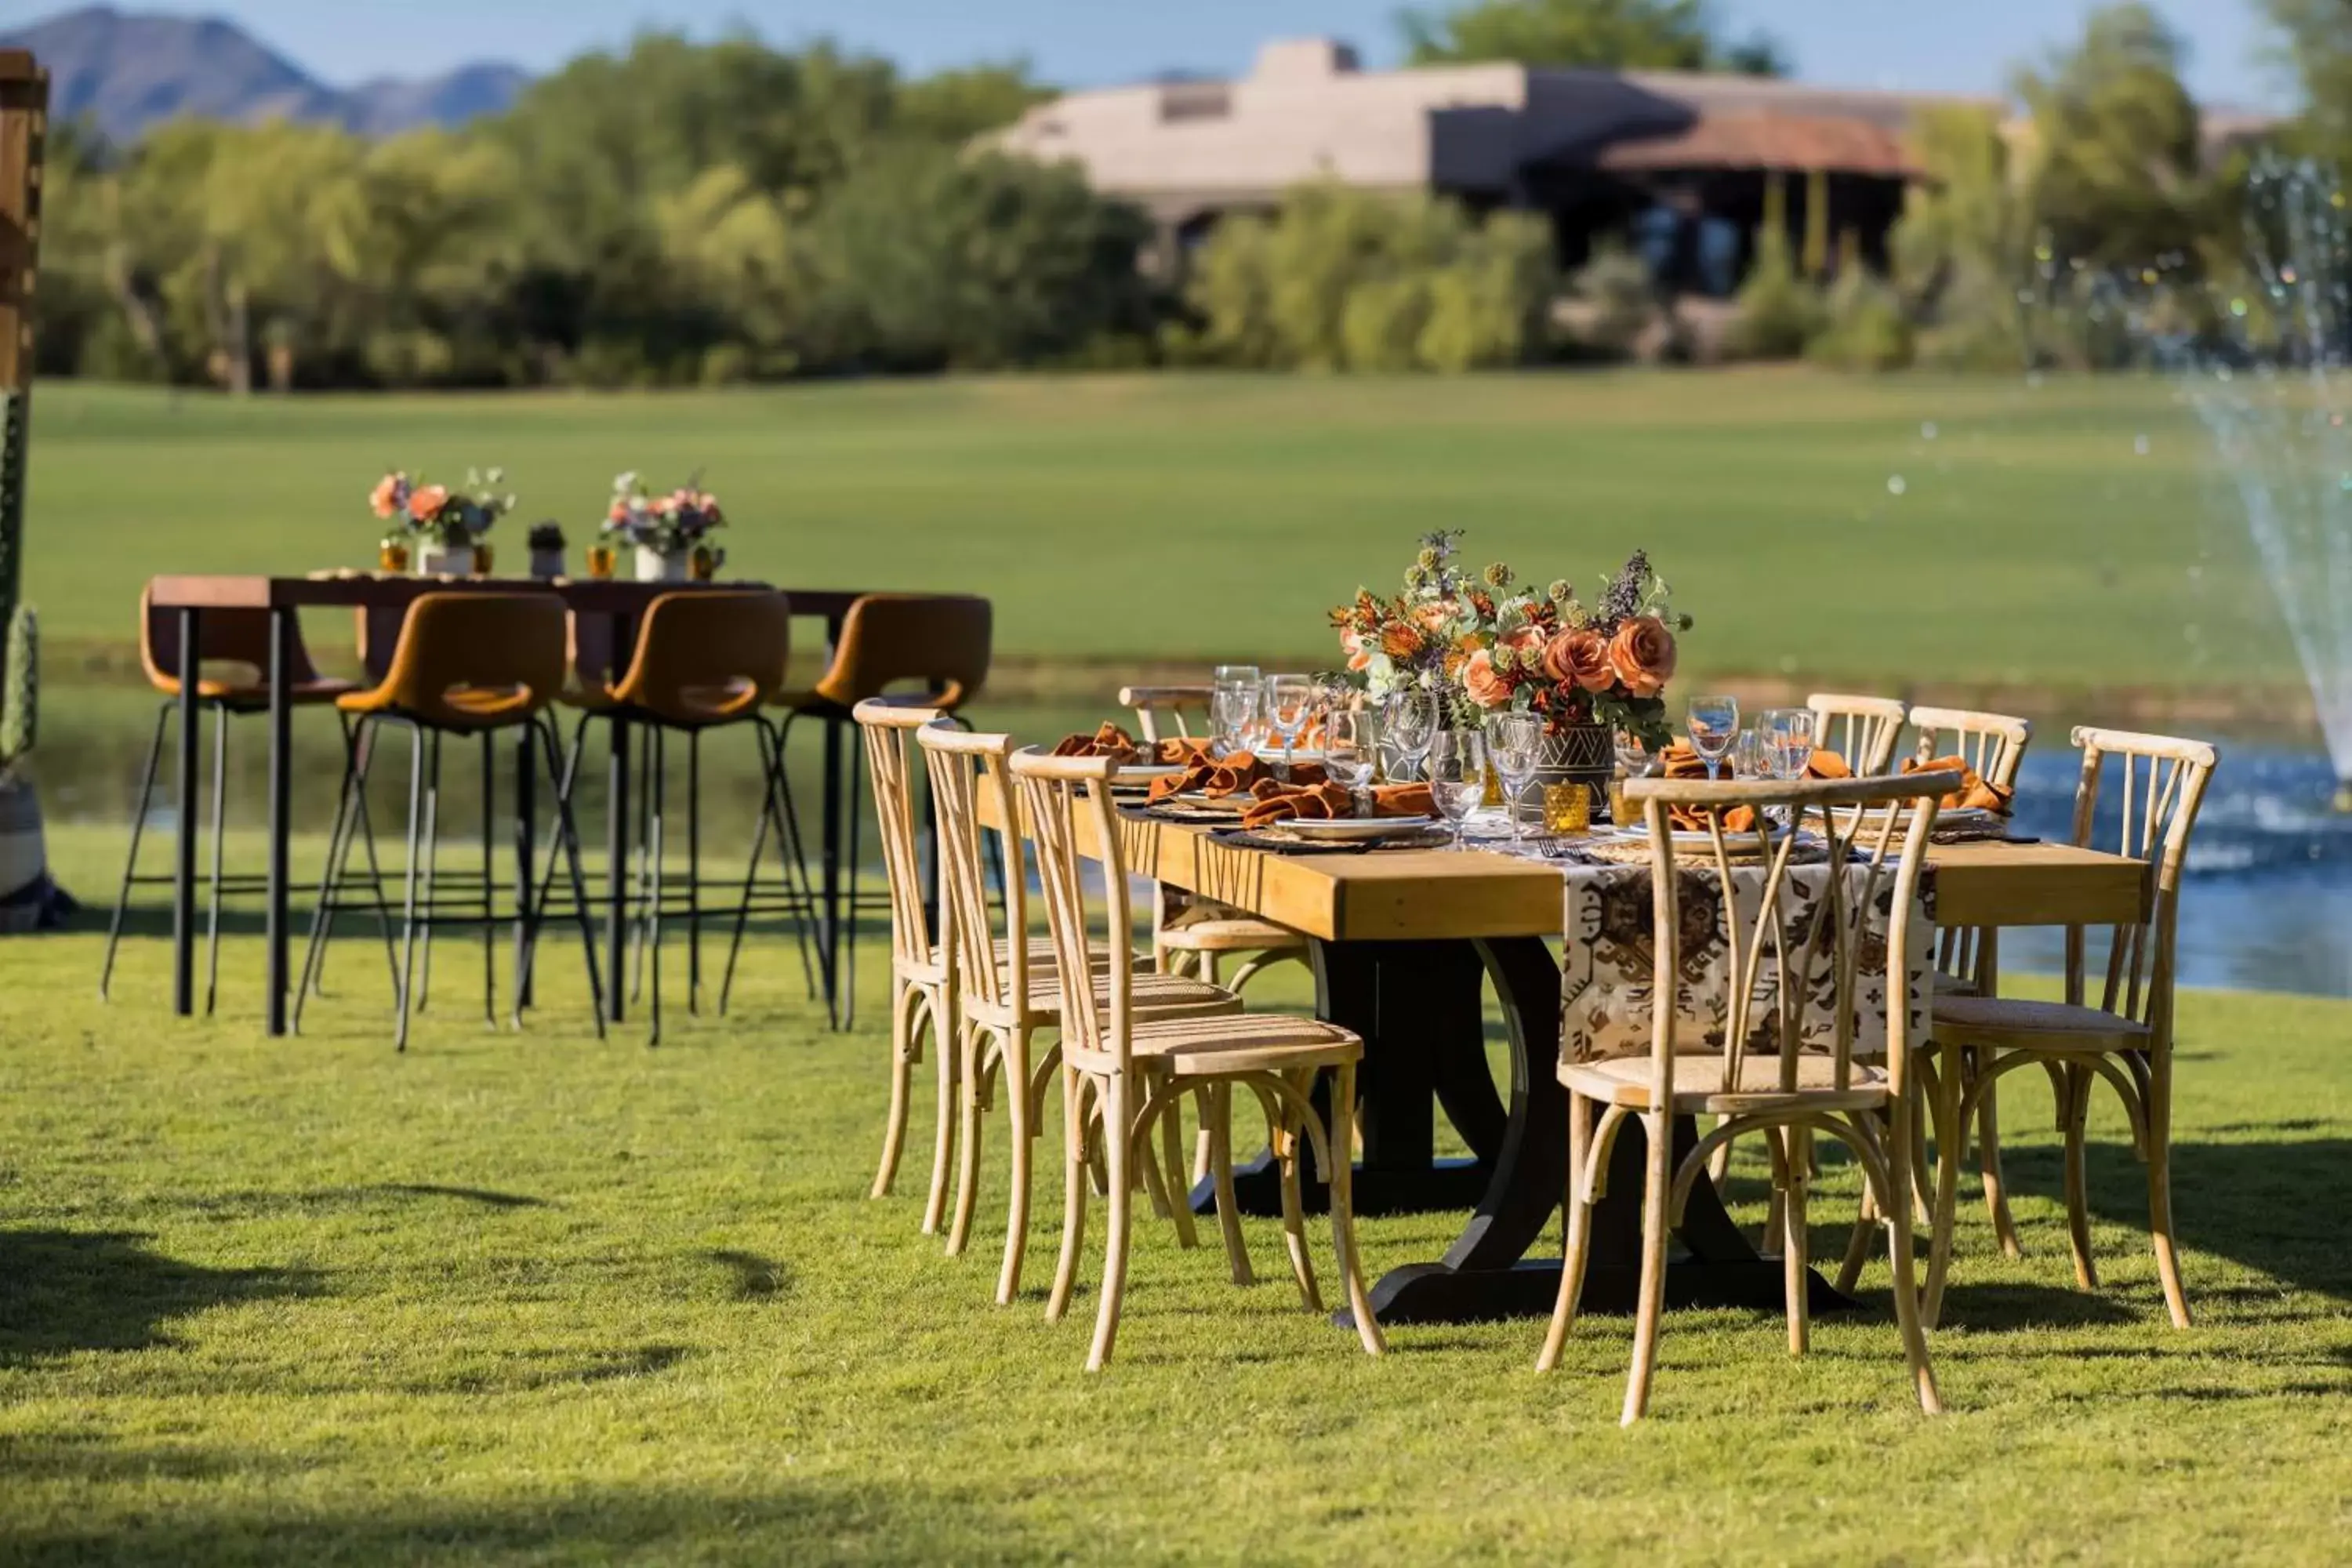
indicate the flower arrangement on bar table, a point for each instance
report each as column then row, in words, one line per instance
column 1483, row 644
column 447, row 526
column 671, row 532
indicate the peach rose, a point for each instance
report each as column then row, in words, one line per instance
column 1580, row 654
column 1642, row 655
column 427, row 502
column 1357, row 659
column 1488, row 687
column 1433, row 617
column 1399, row 641
column 386, row 499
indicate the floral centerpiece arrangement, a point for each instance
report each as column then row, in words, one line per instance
column 448, row 525
column 671, row 532
column 1485, row 643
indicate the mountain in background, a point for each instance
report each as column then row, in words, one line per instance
column 127, row 71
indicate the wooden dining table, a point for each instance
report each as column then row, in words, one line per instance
column 1404, row 943
column 623, row 602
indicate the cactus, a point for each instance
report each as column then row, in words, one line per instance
column 20, row 708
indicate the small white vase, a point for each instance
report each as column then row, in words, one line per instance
column 547, row 563
column 435, row 560
column 653, row 566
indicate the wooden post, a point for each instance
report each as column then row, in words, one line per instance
column 1817, row 224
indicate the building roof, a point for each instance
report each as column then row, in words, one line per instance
column 1800, row 143
column 1306, row 110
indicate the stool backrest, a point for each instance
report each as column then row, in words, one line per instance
column 222, row 636
column 470, row 661
column 1862, row 729
column 941, row 640
column 886, row 726
column 710, row 655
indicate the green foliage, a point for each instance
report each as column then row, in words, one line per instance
column 1864, row 325
column 20, row 695
column 1779, row 312
column 1614, row 300
column 1349, row 279
column 1655, row 34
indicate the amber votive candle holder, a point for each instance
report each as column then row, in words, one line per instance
column 600, row 562
column 1619, row 813
column 1568, row 809
column 703, row 564
column 391, row 558
column 484, row 561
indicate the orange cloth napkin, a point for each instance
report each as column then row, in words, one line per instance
column 1974, row 794
column 1232, row 775
column 1109, row 741
column 1315, row 803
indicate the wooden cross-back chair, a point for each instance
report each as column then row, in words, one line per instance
column 2126, row 1039
column 1862, row 729
column 1123, row 1071
column 1009, row 987
column 1993, row 745
column 1764, row 1075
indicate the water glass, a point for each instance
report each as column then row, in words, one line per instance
column 1233, row 710
column 1290, row 705
column 1411, row 722
column 1789, row 736
column 1713, row 727
column 1351, row 754
column 1457, row 775
column 1750, row 756
column 1514, row 742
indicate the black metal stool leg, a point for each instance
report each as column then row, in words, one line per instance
column 363, row 738
column 658, row 742
column 849, row 850
column 130, row 862
column 331, row 879
column 693, row 871
column 489, row 877
column 526, row 828
column 794, row 855
column 417, row 806
column 423, row 992
column 644, row 865
column 220, row 818
column 567, row 839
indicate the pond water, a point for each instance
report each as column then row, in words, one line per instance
column 2267, row 904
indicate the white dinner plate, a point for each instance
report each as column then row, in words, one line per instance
column 1357, row 826
column 1951, row 816
column 1146, row 772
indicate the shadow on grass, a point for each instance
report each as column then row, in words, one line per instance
column 62, row 1291
column 752, row 1278
column 865, row 1521
column 2277, row 1207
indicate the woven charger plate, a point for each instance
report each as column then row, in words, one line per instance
column 1636, row 852
column 1285, row 841
column 1194, row 810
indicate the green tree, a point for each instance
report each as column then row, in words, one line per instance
column 1965, row 244
column 2315, row 47
column 1632, row 34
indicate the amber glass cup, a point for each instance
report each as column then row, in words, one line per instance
column 484, row 561
column 600, row 562
column 703, row 564
column 391, row 558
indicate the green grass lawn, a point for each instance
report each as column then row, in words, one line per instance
column 539, row 1298
column 1199, row 517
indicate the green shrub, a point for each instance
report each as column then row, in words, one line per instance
column 1779, row 312
column 1613, row 300
column 1867, row 326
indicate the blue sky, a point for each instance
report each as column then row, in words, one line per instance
column 1918, row 44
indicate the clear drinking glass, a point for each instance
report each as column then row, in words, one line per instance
column 1289, row 704
column 1750, row 757
column 1713, row 727
column 1234, row 710
column 1514, row 740
column 1457, row 775
column 1351, row 754
column 1789, row 734
column 1412, row 716
column 1633, row 763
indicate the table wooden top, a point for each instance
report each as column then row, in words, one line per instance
column 378, row 590
column 1413, row 895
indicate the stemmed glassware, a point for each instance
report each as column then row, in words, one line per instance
column 1233, row 705
column 1514, row 740
column 1457, row 775
column 1411, row 718
column 1713, row 728
column 1291, row 703
column 1352, row 740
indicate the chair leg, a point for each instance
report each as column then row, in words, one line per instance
column 1290, row 1148
column 1899, row 1250
column 947, row 1048
column 417, row 807
column 219, row 821
column 1657, row 1192
column 2159, row 1109
column 1951, row 1133
column 975, row 1094
column 1024, row 1136
column 1217, row 1126
column 907, row 1007
column 1578, row 1248
column 2076, row 1113
column 1866, row 1222
column 1178, row 1194
column 1074, row 1178
column 1342, row 1176
column 1118, row 1146
column 424, row 990
column 130, row 861
column 1996, row 1195
column 1203, row 1142
column 1795, row 1241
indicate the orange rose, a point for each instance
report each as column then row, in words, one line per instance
column 386, row 499
column 1642, row 655
column 1399, row 640
column 1357, row 659
column 1580, row 656
column 1488, row 689
column 426, row 502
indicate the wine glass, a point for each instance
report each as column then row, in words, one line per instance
column 1351, row 751
column 1234, row 710
column 1289, row 704
column 1713, row 727
column 1789, row 734
column 1633, row 763
column 1457, row 775
column 1515, row 743
column 1412, row 716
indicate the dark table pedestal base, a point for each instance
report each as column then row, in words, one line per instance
column 1432, row 1293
